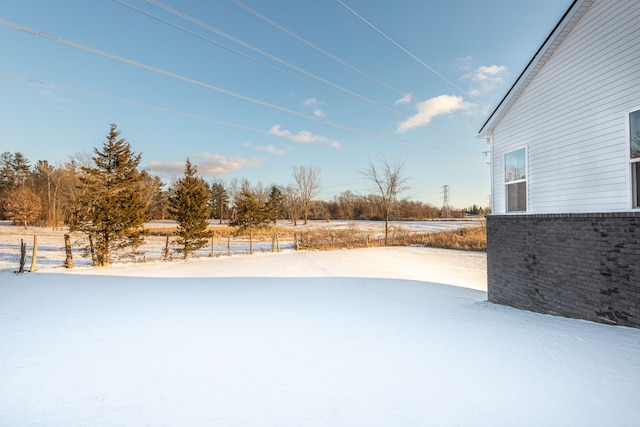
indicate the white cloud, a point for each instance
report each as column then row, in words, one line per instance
column 313, row 102
column 427, row 110
column 304, row 137
column 486, row 78
column 404, row 100
column 55, row 100
column 271, row 149
column 208, row 165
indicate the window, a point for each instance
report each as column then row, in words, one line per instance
column 634, row 155
column 515, row 178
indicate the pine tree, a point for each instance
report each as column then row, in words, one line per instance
column 110, row 208
column 251, row 215
column 189, row 207
column 275, row 205
column 219, row 201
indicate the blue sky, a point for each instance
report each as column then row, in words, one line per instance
column 252, row 88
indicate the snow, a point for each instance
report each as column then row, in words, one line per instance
column 51, row 243
column 375, row 337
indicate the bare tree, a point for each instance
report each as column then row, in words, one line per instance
column 291, row 203
column 308, row 182
column 22, row 206
column 388, row 181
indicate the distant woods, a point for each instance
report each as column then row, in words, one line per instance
column 87, row 193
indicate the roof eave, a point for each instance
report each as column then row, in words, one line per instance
column 564, row 26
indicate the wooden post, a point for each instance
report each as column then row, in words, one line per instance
column 23, row 255
column 213, row 248
column 277, row 242
column 229, row 245
column 67, row 248
column 34, row 255
column 166, row 249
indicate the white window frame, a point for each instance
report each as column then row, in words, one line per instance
column 634, row 164
column 516, row 181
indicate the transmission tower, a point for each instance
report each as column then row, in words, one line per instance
column 445, row 201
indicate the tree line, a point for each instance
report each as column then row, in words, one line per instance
column 107, row 197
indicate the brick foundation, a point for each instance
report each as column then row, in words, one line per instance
column 585, row 266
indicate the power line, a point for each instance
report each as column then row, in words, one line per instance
column 174, row 75
column 130, row 102
column 268, row 55
column 324, row 52
column 244, row 55
column 315, row 47
column 218, row 89
column 180, row 113
column 342, row 94
column 382, row 33
column 230, row 49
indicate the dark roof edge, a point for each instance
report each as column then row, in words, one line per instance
column 529, row 64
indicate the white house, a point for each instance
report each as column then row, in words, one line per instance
column 564, row 234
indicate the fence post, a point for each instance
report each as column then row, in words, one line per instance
column 23, row 255
column 34, row 255
column 166, row 249
column 67, row 248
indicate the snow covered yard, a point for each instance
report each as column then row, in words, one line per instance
column 375, row 337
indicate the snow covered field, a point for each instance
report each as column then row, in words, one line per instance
column 51, row 243
column 366, row 337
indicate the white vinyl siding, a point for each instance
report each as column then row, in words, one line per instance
column 572, row 116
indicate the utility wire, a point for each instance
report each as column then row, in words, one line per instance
column 268, row 55
column 215, row 88
column 150, row 106
column 237, row 52
column 167, row 73
column 244, row 55
column 315, row 47
column 382, row 33
column 329, row 55
column 127, row 101
column 230, row 49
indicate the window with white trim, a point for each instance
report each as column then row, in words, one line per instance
column 515, row 178
column 634, row 156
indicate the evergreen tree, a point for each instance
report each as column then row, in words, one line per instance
column 275, row 205
column 251, row 215
column 219, row 201
column 14, row 171
column 189, row 207
column 156, row 198
column 110, row 207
